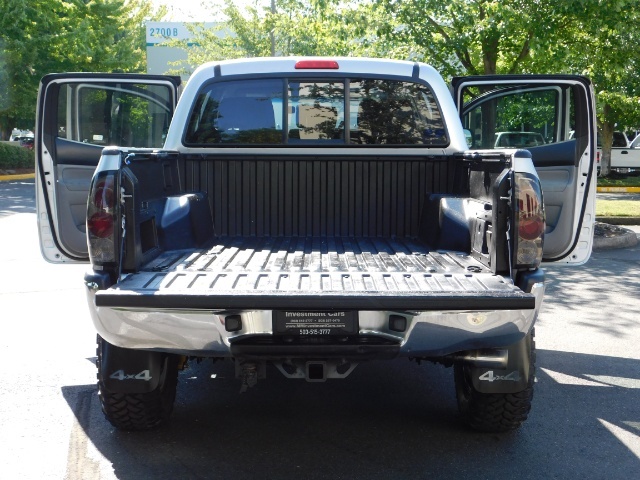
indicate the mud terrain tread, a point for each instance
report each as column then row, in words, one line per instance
column 494, row 412
column 139, row 411
column 498, row 412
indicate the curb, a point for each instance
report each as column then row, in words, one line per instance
column 618, row 189
column 619, row 220
column 8, row 178
column 627, row 240
column 622, row 238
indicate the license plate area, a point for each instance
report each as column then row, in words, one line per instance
column 320, row 324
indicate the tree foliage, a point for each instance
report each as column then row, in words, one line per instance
column 596, row 38
column 296, row 27
column 483, row 36
column 608, row 54
column 44, row 36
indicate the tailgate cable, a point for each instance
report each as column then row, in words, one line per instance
column 124, row 232
column 123, row 198
column 510, row 243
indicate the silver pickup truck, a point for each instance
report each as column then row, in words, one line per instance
column 312, row 214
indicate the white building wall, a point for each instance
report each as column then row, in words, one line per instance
column 160, row 57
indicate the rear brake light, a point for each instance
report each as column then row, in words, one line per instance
column 100, row 224
column 101, row 219
column 317, row 64
column 529, row 220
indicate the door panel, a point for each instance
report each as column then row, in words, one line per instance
column 79, row 115
column 553, row 117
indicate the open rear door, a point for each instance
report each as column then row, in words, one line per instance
column 77, row 116
column 552, row 116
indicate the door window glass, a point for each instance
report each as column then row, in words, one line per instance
column 512, row 118
column 122, row 114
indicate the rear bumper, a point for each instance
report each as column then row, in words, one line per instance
column 201, row 331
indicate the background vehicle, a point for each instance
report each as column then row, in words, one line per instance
column 27, row 142
column 625, row 155
column 24, row 137
column 518, row 139
column 17, row 135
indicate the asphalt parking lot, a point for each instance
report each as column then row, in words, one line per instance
column 387, row 420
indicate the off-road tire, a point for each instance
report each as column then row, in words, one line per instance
column 139, row 411
column 493, row 412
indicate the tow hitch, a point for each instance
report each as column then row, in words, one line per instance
column 310, row 370
column 315, row 370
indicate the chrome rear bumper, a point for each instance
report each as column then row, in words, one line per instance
column 201, row 332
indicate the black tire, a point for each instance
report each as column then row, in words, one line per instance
column 139, row 411
column 494, row 412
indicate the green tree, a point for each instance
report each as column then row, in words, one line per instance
column 330, row 27
column 596, row 38
column 105, row 35
column 45, row 36
column 462, row 37
column 25, row 32
column 606, row 51
column 295, row 27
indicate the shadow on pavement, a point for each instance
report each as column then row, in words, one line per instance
column 17, row 197
column 587, row 290
column 392, row 420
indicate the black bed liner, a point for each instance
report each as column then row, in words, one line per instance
column 251, row 273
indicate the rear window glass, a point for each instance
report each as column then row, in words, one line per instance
column 394, row 113
column 316, row 111
column 355, row 112
column 247, row 111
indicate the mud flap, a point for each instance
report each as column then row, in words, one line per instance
column 124, row 370
column 514, row 378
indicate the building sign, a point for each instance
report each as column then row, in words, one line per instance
column 163, row 58
column 161, row 32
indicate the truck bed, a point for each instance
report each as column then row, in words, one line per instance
column 315, row 273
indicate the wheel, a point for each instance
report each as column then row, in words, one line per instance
column 139, row 411
column 494, row 412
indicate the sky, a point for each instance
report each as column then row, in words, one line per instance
column 195, row 10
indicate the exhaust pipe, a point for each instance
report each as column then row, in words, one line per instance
column 497, row 359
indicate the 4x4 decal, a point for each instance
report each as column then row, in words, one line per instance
column 120, row 375
column 491, row 377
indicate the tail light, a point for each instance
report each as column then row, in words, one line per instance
column 529, row 221
column 102, row 231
